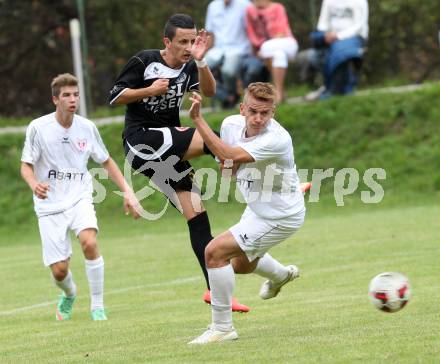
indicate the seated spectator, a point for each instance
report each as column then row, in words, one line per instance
column 339, row 44
column 270, row 34
column 230, row 56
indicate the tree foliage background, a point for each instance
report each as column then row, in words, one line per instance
column 35, row 41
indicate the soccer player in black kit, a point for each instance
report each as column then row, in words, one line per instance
column 152, row 85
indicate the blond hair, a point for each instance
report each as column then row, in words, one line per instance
column 261, row 91
column 64, row 79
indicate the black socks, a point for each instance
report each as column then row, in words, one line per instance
column 200, row 235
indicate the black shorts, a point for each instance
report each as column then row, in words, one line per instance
column 157, row 153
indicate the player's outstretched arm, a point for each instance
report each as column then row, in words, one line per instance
column 206, row 79
column 131, row 204
column 219, row 148
column 39, row 189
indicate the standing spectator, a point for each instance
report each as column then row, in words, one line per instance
column 270, row 34
column 231, row 52
column 339, row 45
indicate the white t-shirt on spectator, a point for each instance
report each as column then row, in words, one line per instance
column 228, row 24
column 348, row 18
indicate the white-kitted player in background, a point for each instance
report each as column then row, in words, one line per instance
column 54, row 165
column 269, row 183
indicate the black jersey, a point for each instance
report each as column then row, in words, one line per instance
column 155, row 111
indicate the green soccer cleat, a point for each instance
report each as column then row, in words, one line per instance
column 64, row 307
column 98, row 315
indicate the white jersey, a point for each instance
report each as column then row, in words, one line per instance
column 59, row 157
column 270, row 185
column 348, row 18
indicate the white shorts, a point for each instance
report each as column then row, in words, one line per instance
column 280, row 50
column 54, row 230
column 256, row 235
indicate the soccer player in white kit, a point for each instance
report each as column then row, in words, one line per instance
column 261, row 153
column 54, row 165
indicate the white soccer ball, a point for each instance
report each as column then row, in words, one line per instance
column 389, row 291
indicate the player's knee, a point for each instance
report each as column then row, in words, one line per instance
column 59, row 271
column 213, row 257
column 89, row 246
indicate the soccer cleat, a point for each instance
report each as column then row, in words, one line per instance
column 212, row 336
column 64, row 307
column 98, row 315
column 270, row 289
column 306, row 186
column 236, row 306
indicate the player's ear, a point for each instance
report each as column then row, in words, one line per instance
column 242, row 107
column 55, row 100
column 166, row 41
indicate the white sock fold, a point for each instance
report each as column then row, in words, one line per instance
column 95, row 277
column 270, row 268
column 67, row 285
column 222, row 282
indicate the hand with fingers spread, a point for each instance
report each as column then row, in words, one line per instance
column 195, row 109
column 201, row 45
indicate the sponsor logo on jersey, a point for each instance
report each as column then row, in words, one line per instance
column 172, row 99
column 82, row 144
column 68, row 176
column 65, row 140
column 246, row 183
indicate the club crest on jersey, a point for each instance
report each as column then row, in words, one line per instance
column 82, row 144
column 181, row 78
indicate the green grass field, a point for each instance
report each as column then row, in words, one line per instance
column 154, row 288
column 154, row 285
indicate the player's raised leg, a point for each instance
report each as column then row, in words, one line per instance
column 278, row 275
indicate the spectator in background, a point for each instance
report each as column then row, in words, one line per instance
column 231, row 52
column 339, row 45
column 270, row 34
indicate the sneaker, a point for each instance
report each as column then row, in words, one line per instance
column 64, row 307
column 236, row 306
column 211, row 336
column 306, row 186
column 98, row 314
column 270, row 289
column 314, row 95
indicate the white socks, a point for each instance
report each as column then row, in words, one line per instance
column 67, row 285
column 222, row 282
column 272, row 269
column 95, row 276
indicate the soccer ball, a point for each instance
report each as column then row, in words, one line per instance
column 389, row 291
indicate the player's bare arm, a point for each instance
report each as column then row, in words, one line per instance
column 131, row 204
column 198, row 50
column 157, row 88
column 40, row 189
column 220, row 149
